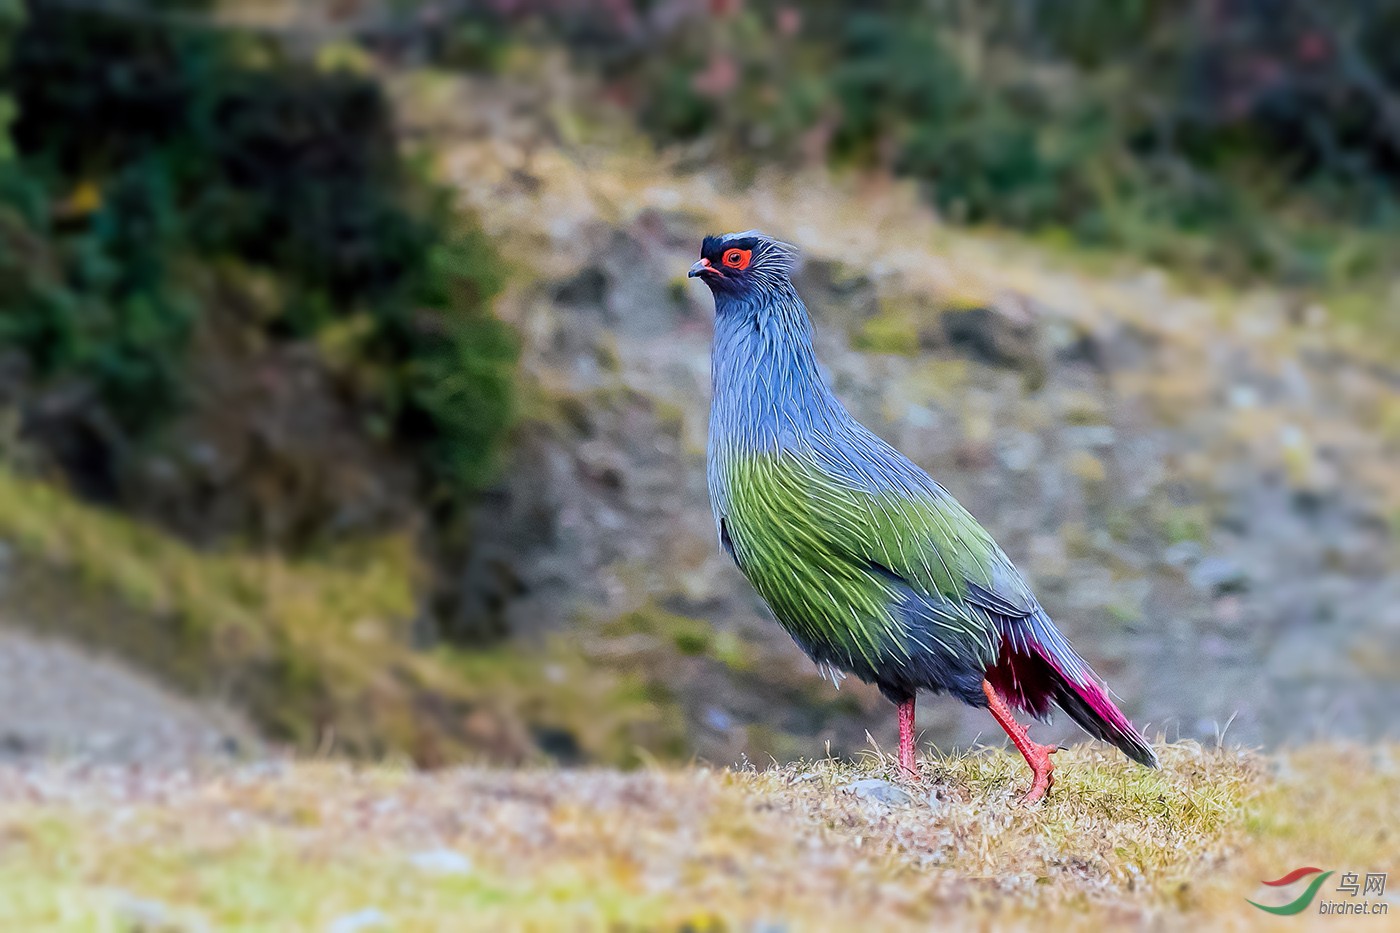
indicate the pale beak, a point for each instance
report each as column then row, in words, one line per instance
column 701, row 267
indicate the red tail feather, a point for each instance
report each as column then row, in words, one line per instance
column 1037, row 667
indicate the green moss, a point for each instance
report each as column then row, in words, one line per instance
column 606, row 713
column 1123, row 614
column 890, row 331
column 264, row 882
column 688, row 636
column 1186, row 523
column 731, row 651
column 1084, row 408
column 1120, row 523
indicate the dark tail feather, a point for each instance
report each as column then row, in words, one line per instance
column 1037, row 666
column 1088, row 704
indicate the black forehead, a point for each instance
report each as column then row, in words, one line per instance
column 714, row 245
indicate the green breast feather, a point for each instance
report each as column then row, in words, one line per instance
column 847, row 567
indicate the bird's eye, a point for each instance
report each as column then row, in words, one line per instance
column 737, row 258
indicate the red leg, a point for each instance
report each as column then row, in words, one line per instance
column 1036, row 755
column 907, row 761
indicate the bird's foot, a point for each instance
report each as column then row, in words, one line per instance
column 1036, row 755
column 1042, row 771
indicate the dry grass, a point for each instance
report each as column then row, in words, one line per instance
column 299, row 846
column 296, row 641
column 318, row 650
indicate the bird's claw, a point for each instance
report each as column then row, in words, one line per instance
column 1042, row 772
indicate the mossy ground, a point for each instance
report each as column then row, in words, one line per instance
column 318, row 650
column 300, row 845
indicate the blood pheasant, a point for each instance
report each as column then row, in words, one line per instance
column 872, row 567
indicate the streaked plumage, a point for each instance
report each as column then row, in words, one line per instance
column 871, row 566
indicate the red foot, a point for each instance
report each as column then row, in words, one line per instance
column 1036, row 755
column 1042, row 772
column 907, row 762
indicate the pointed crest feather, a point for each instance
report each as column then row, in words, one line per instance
column 773, row 260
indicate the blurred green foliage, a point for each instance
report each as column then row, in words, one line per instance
column 11, row 16
column 149, row 150
column 1239, row 137
column 101, row 303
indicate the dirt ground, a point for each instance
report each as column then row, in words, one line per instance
column 58, row 701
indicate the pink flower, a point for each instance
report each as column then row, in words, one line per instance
column 720, row 77
column 789, row 21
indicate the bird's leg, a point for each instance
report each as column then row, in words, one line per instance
column 907, row 761
column 1036, row 755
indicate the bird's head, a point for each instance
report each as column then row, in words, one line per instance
column 744, row 265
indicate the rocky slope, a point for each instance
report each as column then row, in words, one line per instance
column 1200, row 484
column 60, row 703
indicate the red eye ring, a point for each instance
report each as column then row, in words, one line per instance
column 736, row 258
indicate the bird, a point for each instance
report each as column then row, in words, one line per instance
column 872, row 567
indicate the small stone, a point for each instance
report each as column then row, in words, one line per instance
column 1001, row 334
column 441, row 862
column 880, row 792
column 152, row 916
column 769, row 926
column 1183, row 554
column 1219, row 576
column 718, row 719
column 1243, row 396
column 587, row 288
column 1019, row 451
column 366, row 919
column 1089, row 435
